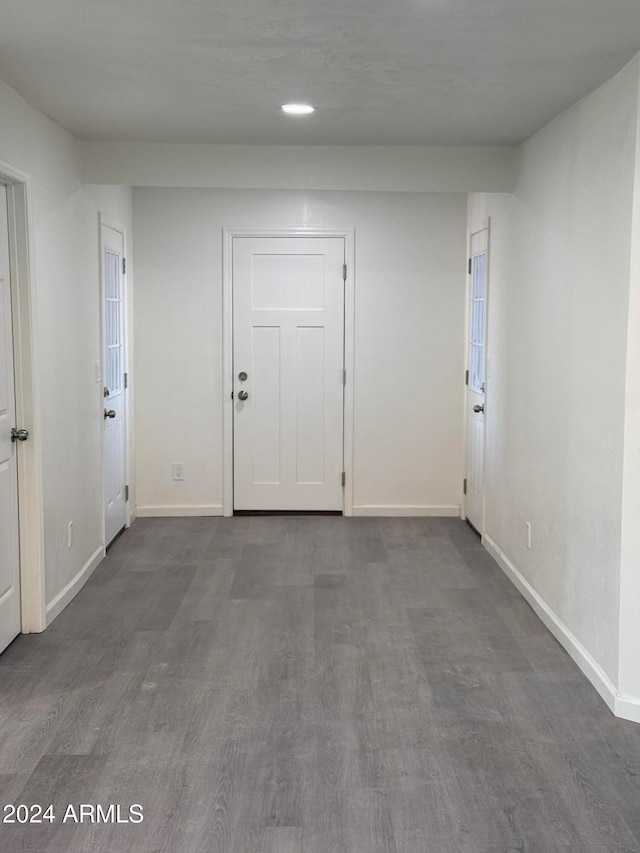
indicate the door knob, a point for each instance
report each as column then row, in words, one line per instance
column 19, row 434
column 109, row 413
column 478, row 408
column 242, row 395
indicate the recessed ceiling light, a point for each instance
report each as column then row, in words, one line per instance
column 297, row 109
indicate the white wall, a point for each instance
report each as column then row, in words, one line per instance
column 629, row 682
column 410, row 260
column 559, row 297
column 66, row 303
column 302, row 167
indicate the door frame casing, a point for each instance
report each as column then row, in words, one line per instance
column 30, row 495
column 228, row 235
column 483, row 225
column 103, row 222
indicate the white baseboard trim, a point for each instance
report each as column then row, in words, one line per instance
column 178, row 511
column 408, row 511
column 65, row 596
column 627, row 708
column 563, row 635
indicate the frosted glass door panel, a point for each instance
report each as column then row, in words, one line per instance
column 113, row 323
column 478, row 318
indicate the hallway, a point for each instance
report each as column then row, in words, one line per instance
column 310, row 685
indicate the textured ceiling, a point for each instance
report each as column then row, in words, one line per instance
column 402, row 72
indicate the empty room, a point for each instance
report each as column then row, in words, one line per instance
column 319, row 427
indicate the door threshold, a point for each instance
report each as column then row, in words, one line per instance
column 329, row 512
column 475, row 529
column 116, row 537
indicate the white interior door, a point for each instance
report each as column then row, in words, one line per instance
column 114, row 390
column 9, row 547
column 477, row 378
column 288, row 339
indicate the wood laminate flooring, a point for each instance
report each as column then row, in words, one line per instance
column 310, row 685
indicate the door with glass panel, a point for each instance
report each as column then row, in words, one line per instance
column 10, row 438
column 114, row 383
column 476, row 380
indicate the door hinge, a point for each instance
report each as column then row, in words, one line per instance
column 124, row 266
column 466, row 377
column 470, row 262
column 464, row 486
column 344, row 376
column 344, row 478
column 344, row 272
column 126, row 380
column 126, row 493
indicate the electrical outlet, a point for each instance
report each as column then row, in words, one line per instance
column 528, row 527
column 70, row 534
column 178, row 470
